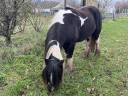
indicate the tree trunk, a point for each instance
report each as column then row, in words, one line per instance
column 8, row 40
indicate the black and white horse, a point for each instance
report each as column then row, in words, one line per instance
column 68, row 27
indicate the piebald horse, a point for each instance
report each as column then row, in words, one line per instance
column 68, row 27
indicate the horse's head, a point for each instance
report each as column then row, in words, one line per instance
column 52, row 73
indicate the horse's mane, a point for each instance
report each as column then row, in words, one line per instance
column 76, row 11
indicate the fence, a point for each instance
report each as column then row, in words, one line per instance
column 44, row 10
column 114, row 16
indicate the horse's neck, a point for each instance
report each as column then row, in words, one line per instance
column 76, row 11
column 54, row 50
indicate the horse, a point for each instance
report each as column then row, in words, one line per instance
column 68, row 27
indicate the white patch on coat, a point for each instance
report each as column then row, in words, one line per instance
column 97, row 43
column 70, row 63
column 59, row 16
column 83, row 20
column 55, row 51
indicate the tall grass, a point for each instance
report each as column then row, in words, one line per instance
column 21, row 65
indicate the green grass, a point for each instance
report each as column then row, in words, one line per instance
column 107, row 75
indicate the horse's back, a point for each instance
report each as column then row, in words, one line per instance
column 93, row 24
column 75, row 24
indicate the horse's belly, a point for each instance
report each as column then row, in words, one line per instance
column 83, row 36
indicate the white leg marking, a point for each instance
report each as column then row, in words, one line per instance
column 87, row 49
column 87, row 44
column 97, row 43
column 97, row 51
column 70, row 63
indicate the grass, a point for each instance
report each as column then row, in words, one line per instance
column 107, row 75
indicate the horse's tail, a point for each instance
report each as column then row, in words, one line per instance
column 98, row 21
column 52, row 74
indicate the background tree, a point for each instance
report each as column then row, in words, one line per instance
column 104, row 4
column 12, row 13
column 121, row 7
column 35, row 17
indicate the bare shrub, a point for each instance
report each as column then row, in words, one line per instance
column 12, row 13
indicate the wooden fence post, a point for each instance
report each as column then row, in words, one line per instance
column 84, row 3
column 65, row 3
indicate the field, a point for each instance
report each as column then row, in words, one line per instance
column 21, row 65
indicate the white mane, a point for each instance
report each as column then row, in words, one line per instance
column 55, row 51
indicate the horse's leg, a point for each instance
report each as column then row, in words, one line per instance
column 87, row 50
column 95, row 37
column 90, row 47
column 69, row 49
column 70, row 63
column 97, row 48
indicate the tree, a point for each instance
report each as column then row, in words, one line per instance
column 11, row 12
column 35, row 17
column 104, row 4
